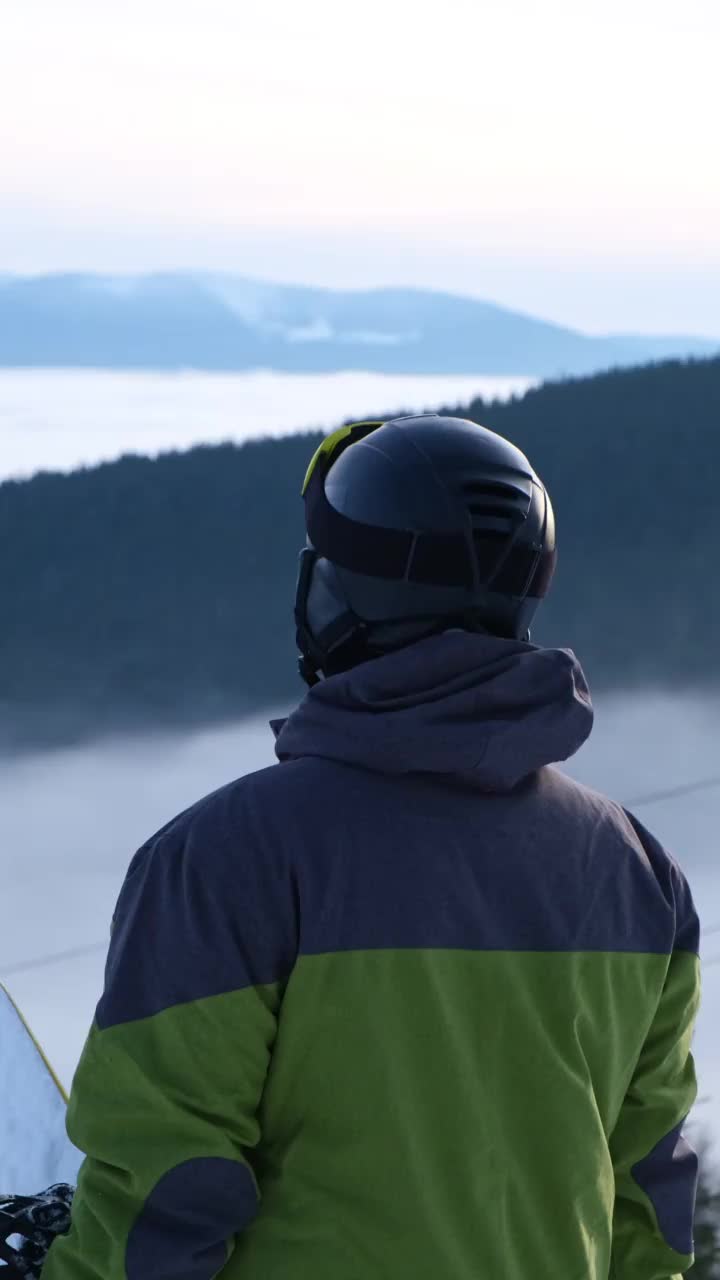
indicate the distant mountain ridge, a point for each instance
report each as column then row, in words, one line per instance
column 217, row 321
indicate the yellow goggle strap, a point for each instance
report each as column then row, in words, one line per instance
column 334, row 444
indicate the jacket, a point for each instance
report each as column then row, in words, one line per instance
column 410, row 1004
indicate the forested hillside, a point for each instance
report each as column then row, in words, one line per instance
column 156, row 592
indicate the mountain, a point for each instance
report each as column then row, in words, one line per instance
column 224, row 322
column 149, row 593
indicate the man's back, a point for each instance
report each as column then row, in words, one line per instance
column 413, row 1004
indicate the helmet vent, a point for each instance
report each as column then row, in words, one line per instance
column 494, row 504
column 493, row 511
column 491, row 489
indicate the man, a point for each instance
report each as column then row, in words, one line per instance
column 411, row 1004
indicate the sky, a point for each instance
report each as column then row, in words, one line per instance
column 559, row 157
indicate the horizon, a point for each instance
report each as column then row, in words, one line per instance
column 527, row 290
column 205, row 274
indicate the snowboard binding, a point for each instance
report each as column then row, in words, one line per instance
column 32, row 1222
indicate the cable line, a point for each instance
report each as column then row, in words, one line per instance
column 672, row 793
column 39, row 962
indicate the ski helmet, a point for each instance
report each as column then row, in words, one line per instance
column 416, row 525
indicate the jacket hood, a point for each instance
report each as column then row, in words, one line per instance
column 485, row 709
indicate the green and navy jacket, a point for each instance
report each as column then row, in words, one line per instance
column 410, row 1004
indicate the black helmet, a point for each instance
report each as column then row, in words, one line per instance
column 416, row 525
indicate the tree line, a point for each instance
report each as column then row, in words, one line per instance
column 160, row 591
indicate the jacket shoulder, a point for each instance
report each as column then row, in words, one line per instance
column 628, row 840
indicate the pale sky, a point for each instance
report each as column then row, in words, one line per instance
column 560, row 156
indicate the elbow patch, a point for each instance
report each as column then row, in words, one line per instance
column 669, row 1178
column 187, row 1219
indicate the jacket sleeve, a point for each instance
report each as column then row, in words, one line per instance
column 165, row 1100
column 656, row 1168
